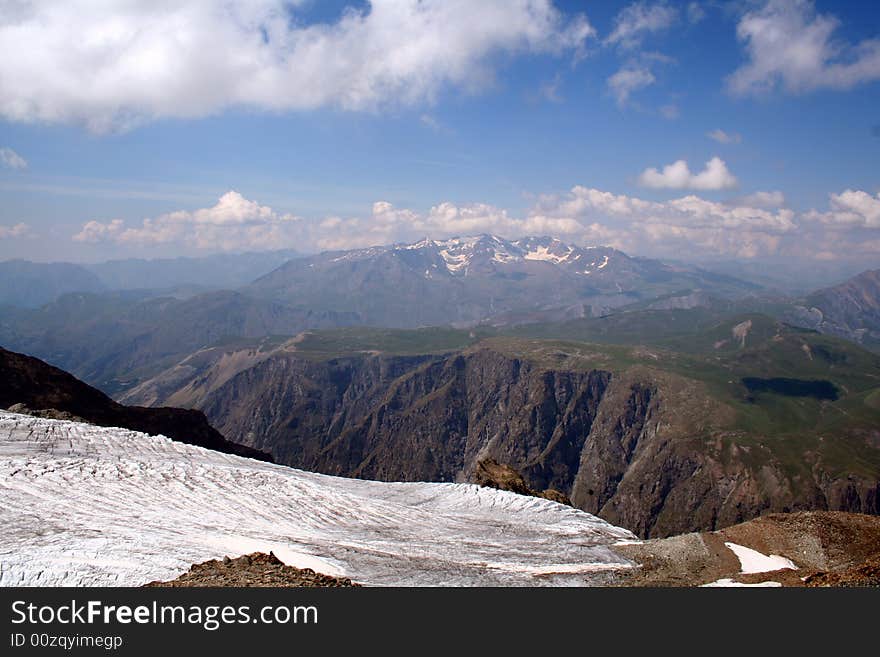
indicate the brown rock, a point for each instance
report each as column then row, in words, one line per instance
column 252, row 570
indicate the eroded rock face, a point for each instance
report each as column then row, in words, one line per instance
column 414, row 419
column 644, row 449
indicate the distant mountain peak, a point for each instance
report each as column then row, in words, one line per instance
column 459, row 253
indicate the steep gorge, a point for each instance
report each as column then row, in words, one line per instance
column 641, row 447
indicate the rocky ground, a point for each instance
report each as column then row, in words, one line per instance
column 47, row 413
column 497, row 475
column 829, row 549
column 252, row 570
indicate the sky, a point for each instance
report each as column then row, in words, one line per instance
column 704, row 131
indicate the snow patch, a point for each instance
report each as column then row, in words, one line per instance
column 543, row 253
column 732, row 583
column 753, row 561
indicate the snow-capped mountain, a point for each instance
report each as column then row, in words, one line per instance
column 86, row 505
column 465, row 280
column 464, row 256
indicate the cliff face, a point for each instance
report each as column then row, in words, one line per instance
column 644, row 449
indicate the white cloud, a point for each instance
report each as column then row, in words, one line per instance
column 850, row 208
column 234, row 223
column 695, row 13
column 17, row 230
column 774, row 199
column 628, row 80
column 639, row 19
column 724, row 137
column 12, row 160
column 113, row 65
column 714, row 176
column 688, row 227
column 790, row 45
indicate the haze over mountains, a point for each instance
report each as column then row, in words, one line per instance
column 115, row 338
column 32, row 284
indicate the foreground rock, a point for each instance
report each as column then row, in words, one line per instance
column 252, row 570
column 828, row 549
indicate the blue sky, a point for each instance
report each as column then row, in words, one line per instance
column 317, row 125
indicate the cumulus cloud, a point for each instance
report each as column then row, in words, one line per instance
column 791, row 46
column 11, row 160
column 683, row 226
column 17, row 230
column 638, row 20
column 724, row 137
column 628, row 80
column 850, row 208
column 714, row 176
column 233, row 223
column 114, row 65
column 585, row 215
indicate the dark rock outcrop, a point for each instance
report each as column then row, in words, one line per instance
column 493, row 474
column 38, row 386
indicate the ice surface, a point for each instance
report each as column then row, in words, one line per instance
column 85, row 505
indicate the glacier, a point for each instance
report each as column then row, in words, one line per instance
column 82, row 505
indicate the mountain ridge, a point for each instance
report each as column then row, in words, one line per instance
column 463, row 281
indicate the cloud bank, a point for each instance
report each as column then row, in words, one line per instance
column 688, row 227
column 233, row 223
column 112, row 66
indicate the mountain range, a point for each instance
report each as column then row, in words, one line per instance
column 465, row 281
